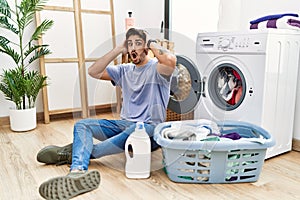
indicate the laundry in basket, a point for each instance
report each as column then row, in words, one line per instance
column 215, row 158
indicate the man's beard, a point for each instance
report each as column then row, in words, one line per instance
column 141, row 57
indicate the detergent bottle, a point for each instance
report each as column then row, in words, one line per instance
column 138, row 153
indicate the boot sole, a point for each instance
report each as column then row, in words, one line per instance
column 67, row 187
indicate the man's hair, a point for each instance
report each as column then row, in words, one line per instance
column 133, row 31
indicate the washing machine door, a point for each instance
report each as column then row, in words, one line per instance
column 226, row 86
column 185, row 86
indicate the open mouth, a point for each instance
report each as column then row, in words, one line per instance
column 134, row 55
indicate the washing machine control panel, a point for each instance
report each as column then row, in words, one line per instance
column 231, row 43
column 226, row 43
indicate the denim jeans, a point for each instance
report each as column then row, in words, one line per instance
column 112, row 135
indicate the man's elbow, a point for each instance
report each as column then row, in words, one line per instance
column 90, row 72
column 93, row 74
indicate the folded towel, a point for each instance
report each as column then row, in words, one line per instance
column 294, row 22
column 276, row 16
column 286, row 22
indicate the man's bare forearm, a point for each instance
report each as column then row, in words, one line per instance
column 98, row 68
column 166, row 59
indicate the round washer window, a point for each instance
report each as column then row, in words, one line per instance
column 227, row 86
column 185, row 86
column 181, row 83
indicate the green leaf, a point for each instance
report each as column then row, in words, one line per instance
column 34, row 82
column 27, row 10
column 39, row 53
column 40, row 4
column 29, row 6
column 11, row 84
column 41, row 29
column 5, row 9
column 3, row 41
column 33, row 48
column 5, row 24
column 12, row 53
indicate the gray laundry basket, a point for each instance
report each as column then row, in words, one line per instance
column 228, row 161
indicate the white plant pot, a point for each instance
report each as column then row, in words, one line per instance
column 22, row 120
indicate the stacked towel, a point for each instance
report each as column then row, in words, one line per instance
column 280, row 21
column 294, row 22
column 269, row 17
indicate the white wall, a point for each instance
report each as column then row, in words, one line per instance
column 187, row 19
column 190, row 17
column 229, row 15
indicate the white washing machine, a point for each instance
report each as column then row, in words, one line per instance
column 245, row 76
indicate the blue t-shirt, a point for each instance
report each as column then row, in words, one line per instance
column 145, row 92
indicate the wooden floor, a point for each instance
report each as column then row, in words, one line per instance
column 21, row 174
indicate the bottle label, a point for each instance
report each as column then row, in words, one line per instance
column 129, row 23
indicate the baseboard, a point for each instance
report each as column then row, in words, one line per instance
column 296, row 145
column 77, row 114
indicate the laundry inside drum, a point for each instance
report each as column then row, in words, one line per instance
column 181, row 83
column 227, row 86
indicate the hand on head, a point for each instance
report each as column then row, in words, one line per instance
column 125, row 47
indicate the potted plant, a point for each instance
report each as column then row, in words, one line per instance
column 18, row 83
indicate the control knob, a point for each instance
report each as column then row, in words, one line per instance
column 225, row 43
